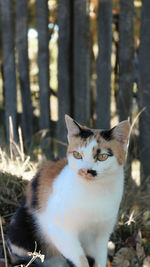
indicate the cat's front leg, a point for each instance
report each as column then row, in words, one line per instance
column 69, row 246
column 101, row 251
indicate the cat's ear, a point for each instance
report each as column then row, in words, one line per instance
column 121, row 132
column 73, row 127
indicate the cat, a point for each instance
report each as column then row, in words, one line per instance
column 71, row 206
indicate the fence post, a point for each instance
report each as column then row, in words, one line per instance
column 43, row 64
column 126, row 53
column 9, row 68
column 23, row 67
column 104, row 63
column 65, row 75
column 144, row 92
column 81, row 67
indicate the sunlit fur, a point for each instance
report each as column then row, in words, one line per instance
column 78, row 201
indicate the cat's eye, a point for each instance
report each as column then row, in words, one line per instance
column 77, row 155
column 102, row 157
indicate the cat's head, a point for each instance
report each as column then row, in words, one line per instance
column 93, row 154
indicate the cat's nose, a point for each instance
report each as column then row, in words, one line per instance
column 93, row 172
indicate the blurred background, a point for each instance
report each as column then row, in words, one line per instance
column 86, row 58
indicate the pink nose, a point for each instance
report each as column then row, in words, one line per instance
column 85, row 171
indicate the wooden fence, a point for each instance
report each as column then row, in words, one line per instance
column 77, row 96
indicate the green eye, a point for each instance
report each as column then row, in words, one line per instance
column 102, row 157
column 77, row 155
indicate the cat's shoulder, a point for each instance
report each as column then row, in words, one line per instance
column 40, row 187
column 52, row 168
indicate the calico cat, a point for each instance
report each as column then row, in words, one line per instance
column 71, row 206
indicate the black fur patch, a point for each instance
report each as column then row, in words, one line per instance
column 22, row 230
column 84, row 133
column 107, row 134
column 90, row 261
column 110, row 153
column 35, row 182
column 93, row 172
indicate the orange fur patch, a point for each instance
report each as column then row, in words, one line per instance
column 47, row 176
column 49, row 173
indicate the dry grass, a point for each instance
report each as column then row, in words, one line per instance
column 3, row 241
column 15, row 169
column 131, row 237
column 16, row 162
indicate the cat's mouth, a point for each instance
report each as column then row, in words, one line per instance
column 88, row 174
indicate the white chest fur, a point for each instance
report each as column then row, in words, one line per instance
column 76, row 204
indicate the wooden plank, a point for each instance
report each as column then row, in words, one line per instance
column 144, row 92
column 126, row 54
column 65, row 75
column 43, row 62
column 104, row 63
column 9, row 68
column 44, row 77
column 81, row 62
column 23, row 67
